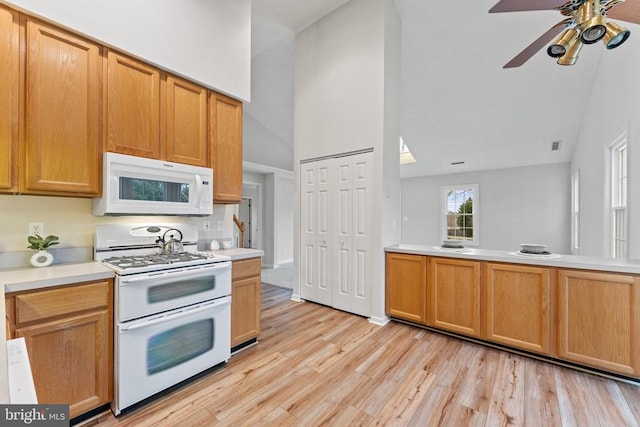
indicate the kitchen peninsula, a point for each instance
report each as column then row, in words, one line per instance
column 574, row 310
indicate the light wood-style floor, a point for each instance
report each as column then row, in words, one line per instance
column 318, row 366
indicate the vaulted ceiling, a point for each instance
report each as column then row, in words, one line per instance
column 458, row 103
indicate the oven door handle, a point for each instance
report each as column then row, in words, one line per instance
column 188, row 271
column 179, row 315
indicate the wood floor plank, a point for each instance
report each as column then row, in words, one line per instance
column 315, row 366
column 631, row 392
column 507, row 401
column 540, row 399
column 435, row 408
column 404, row 403
column 585, row 401
column 476, row 389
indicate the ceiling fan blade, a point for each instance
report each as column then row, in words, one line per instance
column 628, row 11
column 524, row 5
column 534, row 47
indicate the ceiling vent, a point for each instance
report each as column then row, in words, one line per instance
column 555, row 145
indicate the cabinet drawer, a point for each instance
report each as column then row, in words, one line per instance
column 55, row 302
column 245, row 268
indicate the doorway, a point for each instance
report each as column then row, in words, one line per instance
column 245, row 215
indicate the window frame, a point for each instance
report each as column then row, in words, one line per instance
column 575, row 213
column 444, row 190
column 618, row 202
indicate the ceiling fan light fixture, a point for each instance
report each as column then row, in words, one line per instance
column 559, row 47
column 571, row 56
column 615, row 35
column 593, row 30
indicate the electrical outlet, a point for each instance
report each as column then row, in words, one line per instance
column 220, row 225
column 206, row 225
column 36, row 228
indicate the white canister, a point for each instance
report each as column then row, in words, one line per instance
column 227, row 244
column 214, row 246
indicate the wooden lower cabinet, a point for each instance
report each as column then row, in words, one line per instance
column 586, row 317
column 599, row 320
column 69, row 336
column 245, row 300
column 453, row 295
column 517, row 306
column 406, row 289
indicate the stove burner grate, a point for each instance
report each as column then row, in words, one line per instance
column 134, row 261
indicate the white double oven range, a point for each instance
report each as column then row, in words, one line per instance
column 172, row 307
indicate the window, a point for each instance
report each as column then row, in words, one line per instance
column 575, row 214
column 619, row 199
column 460, row 213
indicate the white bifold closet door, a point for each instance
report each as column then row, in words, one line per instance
column 335, row 232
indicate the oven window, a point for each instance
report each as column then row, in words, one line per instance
column 158, row 191
column 178, row 345
column 183, row 288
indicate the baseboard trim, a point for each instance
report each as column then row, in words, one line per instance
column 296, row 298
column 380, row 321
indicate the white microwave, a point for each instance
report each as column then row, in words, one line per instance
column 139, row 186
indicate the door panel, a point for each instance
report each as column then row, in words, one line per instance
column 335, row 237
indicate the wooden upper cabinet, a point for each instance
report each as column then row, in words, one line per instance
column 61, row 128
column 9, row 84
column 518, row 306
column 453, row 295
column 599, row 320
column 226, row 148
column 186, row 119
column 132, row 107
column 406, row 289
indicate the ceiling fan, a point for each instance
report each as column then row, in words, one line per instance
column 586, row 23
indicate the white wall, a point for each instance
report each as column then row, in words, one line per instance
column 518, row 205
column 206, row 41
column 341, row 98
column 283, row 230
column 268, row 118
column 613, row 107
column 339, row 81
column 269, row 259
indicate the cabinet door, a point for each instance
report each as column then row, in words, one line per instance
column 62, row 140
column 226, row 148
column 517, row 306
column 599, row 320
column 453, row 295
column 245, row 310
column 133, row 107
column 406, row 287
column 9, row 58
column 70, row 360
column 186, row 137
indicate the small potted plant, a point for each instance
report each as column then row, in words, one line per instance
column 42, row 258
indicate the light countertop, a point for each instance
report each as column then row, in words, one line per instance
column 24, row 279
column 556, row 260
column 239, row 253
